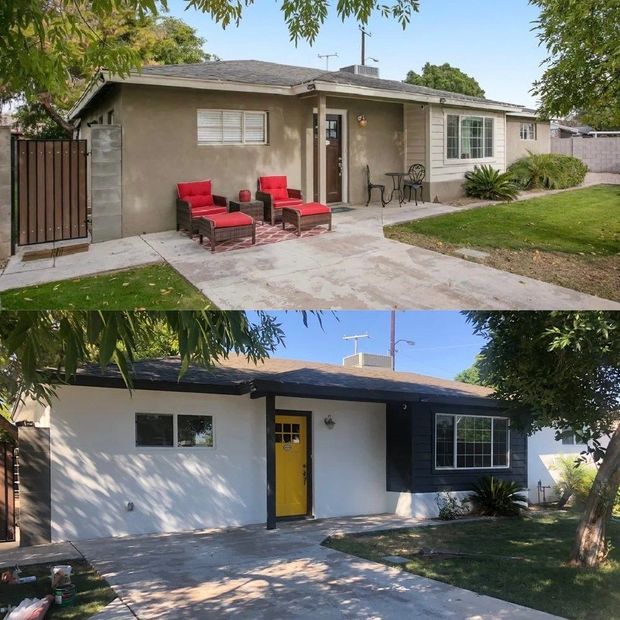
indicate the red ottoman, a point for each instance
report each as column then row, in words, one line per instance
column 307, row 216
column 226, row 226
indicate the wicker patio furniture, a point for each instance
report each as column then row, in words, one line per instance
column 253, row 208
column 195, row 200
column 307, row 216
column 371, row 186
column 275, row 194
column 226, row 226
column 417, row 172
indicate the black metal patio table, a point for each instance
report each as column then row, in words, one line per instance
column 397, row 182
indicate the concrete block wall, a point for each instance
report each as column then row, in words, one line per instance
column 105, row 187
column 5, row 192
column 599, row 154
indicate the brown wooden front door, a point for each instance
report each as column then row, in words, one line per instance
column 333, row 142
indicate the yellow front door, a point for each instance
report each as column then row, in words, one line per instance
column 291, row 465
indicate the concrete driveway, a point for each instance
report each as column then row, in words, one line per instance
column 356, row 267
column 252, row 573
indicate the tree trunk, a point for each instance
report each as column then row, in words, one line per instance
column 46, row 103
column 590, row 548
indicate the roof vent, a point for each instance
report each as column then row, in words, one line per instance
column 362, row 70
column 367, row 360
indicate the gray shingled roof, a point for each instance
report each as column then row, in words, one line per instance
column 237, row 372
column 274, row 74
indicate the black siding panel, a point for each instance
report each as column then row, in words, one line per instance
column 410, row 451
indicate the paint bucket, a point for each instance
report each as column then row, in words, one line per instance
column 64, row 595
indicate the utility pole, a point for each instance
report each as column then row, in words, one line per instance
column 393, row 341
column 327, row 57
column 364, row 35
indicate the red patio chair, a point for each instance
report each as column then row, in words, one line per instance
column 275, row 194
column 195, row 200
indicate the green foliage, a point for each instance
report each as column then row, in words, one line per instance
column 583, row 63
column 445, row 77
column 42, row 41
column 563, row 368
column 450, row 508
column 473, row 375
column 576, row 479
column 44, row 348
column 149, row 40
column 497, row 498
column 548, row 171
column 490, row 184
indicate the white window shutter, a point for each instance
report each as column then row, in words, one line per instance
column 210, row 129
column 255, row 130
column 232, row 127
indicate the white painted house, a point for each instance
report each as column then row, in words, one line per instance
column 245, row 444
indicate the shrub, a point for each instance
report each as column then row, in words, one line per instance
column 548, row 171
column 450, row 508
column 490, row 184
column 493, row 497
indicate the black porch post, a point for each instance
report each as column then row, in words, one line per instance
column 270, row 407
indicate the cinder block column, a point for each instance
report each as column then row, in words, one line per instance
column 106, row 199
column 5, row 192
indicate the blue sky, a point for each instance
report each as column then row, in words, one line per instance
column 488, row 39
column 444, row 343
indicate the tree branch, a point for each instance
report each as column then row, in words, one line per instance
column 45, row 102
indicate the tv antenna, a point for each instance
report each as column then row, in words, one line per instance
column 356, row 340
column 327, row 57
column 365, row 34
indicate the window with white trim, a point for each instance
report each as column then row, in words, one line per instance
column 528, row 131
column 469, row 137
column 471, row 442
column 226, row 127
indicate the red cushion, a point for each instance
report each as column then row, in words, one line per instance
column 199, row 201
column 195, row 188
column 312, row 208
column 275, row 186
column 202, row 211
column 288, row 202
column 230, row 220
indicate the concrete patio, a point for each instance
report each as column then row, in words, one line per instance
column 353, row 267
column 284, row 573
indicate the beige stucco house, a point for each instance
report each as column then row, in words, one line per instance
column 233, row 121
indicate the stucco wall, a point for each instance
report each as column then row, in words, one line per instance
column 517, row 148
column 161, row 149
column 96, row 467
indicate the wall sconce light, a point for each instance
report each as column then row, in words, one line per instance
column 362, row 121
column 329, row 422
column 404, row 407
column 442, row 100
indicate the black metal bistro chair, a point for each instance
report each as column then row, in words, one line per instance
column 372, row 186
column 417, row 172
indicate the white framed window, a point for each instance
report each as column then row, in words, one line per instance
column 471, row 442
column 469, row 137
column 226, row 127
column 528, row 131
column 168, row 430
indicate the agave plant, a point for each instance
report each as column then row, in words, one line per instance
column 490, row 184
column 493, row 497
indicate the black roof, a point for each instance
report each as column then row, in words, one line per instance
column 274, row 74
column 287, row 377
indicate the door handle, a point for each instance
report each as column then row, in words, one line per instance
column 305, row 472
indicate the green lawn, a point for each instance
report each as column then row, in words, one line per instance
column 155, row 287
column 540, row 579
column 580, row 221
column 93, row 592
column 570, row 238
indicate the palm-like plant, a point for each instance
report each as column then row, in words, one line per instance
column 497, row 498
column 548, row 171
column 490, row 184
